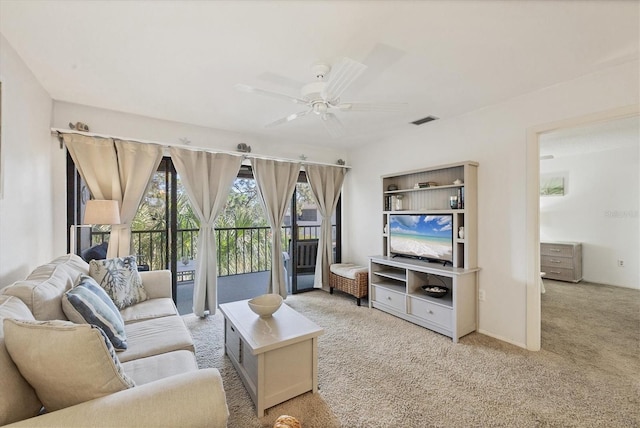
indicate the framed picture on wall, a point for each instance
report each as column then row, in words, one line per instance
column 552, row 185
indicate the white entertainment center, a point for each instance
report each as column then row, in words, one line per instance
column 395, row 282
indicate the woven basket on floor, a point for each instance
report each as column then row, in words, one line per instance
column 358, row 287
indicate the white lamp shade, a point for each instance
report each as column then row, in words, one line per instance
column 101, row 212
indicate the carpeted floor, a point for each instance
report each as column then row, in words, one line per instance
column 376, row 370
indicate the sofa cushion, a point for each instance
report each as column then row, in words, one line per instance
column 156, row 336
column 88, row 303
column 43, row 289
column 65, row 363
column 152, row 308
column 18, row 400
column 150, row 369
column 347, row 270
column 120, row 278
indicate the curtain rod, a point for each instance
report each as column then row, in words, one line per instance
column 57, row 132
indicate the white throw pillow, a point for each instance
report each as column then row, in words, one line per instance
column 120, row 279
column 65, row 363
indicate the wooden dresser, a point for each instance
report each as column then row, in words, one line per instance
column 561, row 261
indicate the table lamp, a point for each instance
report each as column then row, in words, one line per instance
column 96, row 211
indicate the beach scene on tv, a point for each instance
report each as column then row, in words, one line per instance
column 424, row 236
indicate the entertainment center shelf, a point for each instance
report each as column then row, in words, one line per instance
column 427, row 215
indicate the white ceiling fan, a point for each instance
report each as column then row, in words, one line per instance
column 322, row 97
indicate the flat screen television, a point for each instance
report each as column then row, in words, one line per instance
column 423, row 236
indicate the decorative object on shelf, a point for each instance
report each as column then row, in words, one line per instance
column 457, row 182
column 265, row 305
column 435, row 290
column 340, row 162
column 79, row 126
column 461, row 232
column 398, row 203
column 425, row 184
column 387, row 203
column 392, row 187
column 243, row 148
column 453, row 202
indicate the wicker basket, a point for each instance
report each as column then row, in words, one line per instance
column 358, row 287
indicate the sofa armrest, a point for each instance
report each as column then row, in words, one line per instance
column 191, row 399
column 157, row 283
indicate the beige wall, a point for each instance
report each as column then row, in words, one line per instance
column 496, row 137
column 27, row 213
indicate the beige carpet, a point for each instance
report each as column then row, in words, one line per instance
column 376, row 370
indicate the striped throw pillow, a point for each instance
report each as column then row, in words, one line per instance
column 88, row 303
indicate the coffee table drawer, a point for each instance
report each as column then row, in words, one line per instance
column 232, row 340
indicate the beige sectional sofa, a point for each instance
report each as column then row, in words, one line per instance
column 169, row 388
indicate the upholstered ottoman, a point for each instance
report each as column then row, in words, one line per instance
column 349, row 278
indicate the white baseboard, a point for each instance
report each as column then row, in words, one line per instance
column 503, row 339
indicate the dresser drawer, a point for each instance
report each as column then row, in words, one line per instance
column 558, row 250
column 389, row 298
column 561, row 274
column 232, row 340
column 430, row 312
column 552, row 262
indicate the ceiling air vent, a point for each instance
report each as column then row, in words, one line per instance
column 424, row 120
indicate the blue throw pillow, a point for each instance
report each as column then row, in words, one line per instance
column 88, row 303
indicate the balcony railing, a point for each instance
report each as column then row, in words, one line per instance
column 239, row 250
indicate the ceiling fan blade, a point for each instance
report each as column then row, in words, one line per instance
column 342, row 74
column 289, row 118
column 385, row 107
column 332, row 124
column 250, row 89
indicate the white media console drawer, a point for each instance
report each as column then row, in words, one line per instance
column 389, row 298
column 561, row 261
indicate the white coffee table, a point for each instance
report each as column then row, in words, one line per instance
column 277, row 357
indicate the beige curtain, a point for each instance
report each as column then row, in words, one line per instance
column 115, row 170
column 276, row 182
column 207, row 178
column 326, row 183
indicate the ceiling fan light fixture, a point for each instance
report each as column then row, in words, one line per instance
column 320, row 108
column 323, row 95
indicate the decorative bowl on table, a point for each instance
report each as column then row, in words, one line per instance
column 266, row 304
column 435, row 290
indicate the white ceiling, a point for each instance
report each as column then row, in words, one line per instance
column 180, row 60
